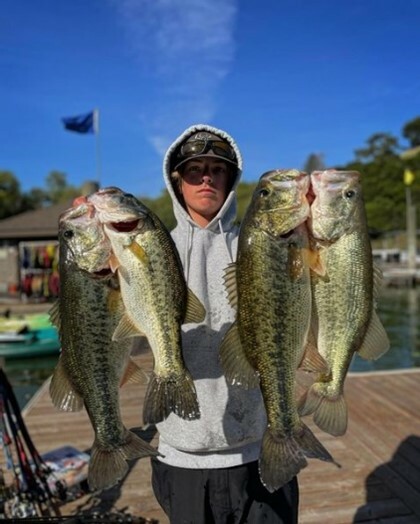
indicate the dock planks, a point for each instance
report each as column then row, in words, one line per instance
column 378, row 481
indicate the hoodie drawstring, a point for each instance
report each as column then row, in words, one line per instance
column 187, row 250
column 224, row 236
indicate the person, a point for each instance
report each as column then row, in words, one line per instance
column 208, row 468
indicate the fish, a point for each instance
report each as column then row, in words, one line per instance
column 156, row 298
column 269, row 286
column 91, row 366
column 344, row 317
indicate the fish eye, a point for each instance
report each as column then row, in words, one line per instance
column 350, row 193
column 264, row 192
column 68, row 234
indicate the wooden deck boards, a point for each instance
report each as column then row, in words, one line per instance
column 379, row 478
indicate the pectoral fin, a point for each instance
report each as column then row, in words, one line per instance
column 54, row 314
column 63, row 394
column 316, row 262
column 125, row 329
column 236, row 366
column 312, row 360
column 138, row 252
column 376, row 341
column 133, row 374
column 195, row 312
column 114, row 263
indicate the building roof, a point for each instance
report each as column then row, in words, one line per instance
column 410, row 153
column 38, row 224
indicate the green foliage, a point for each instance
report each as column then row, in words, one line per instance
column 379, row 145
column 380, row 163
column 162, row 206
column 411, row 131
column 10, row 195
column 314, row 162
column 244, row 195
column 58, row 190
column 383, row 183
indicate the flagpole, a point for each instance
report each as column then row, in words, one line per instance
column 98, row 146
column 411, row 230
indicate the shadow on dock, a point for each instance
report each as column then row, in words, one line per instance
column 392, row 489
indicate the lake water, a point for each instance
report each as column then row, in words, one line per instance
column 398, row 309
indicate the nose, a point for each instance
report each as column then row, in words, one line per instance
column 206, row 178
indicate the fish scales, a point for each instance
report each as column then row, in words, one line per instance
column 156, row 299
column 158, row 284
column 93, row 373
column 91, row 365
column 267, row 341
column 265, row 287
column 348, row 327
column 344, row 317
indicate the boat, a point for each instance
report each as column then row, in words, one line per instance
column 29, row 342
column 13, row 322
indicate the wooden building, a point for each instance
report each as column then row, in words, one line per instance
column 28, row 253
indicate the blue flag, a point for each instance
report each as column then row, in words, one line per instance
column 81, row 123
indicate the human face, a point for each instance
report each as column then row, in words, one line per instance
column 204, row 183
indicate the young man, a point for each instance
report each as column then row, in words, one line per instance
column 208, row 472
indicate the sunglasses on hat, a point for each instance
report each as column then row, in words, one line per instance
column 201, row 147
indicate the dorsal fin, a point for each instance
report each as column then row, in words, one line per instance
column 230, row 285
column 195, row 312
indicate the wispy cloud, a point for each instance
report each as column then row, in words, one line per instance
column 187, row 47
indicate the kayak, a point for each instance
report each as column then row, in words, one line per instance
column 29, row 343
column 15, row 322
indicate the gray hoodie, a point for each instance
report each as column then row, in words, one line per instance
column 232, row 420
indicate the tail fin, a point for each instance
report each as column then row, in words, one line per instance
column 108, row 466
column 330, row 411
column 175, row 393
column 282, row 457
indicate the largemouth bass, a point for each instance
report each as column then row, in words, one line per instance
column 156, row 299
column 91, row 366
column 270, row 286
column 344, row 316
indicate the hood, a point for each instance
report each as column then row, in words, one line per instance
column 227, row 213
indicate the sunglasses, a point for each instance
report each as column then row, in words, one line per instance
column 200, row 147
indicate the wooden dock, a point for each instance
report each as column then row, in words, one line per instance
column 379, row 478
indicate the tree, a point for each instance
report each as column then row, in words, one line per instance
column 10, row 195
column 379, row 145
column 162, row 206
column 411, row 131
column 314, row 162
column 57, row 188
column 34, row 199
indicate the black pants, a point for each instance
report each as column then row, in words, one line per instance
column 222, row 496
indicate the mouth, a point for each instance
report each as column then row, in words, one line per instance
column 288, row 234
column 103, row 273
column 125, row 227
column 206, row 191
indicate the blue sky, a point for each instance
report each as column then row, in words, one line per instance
column 286, row 78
